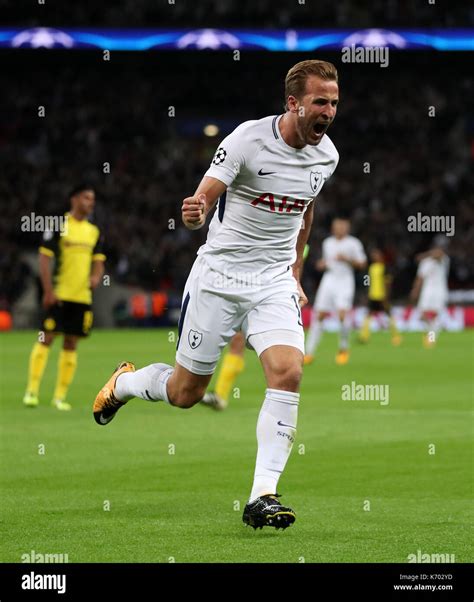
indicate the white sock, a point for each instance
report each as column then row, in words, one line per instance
column 275, row 437
column 314, row 336
column 147, row 383
column 344, row 334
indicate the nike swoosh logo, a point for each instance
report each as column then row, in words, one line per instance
column 266, row 173
column 283, row 424
column 103, row 420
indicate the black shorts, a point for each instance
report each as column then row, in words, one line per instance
column 377, row 306
column 68, row 318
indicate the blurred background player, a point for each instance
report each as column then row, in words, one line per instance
column 67, row 302
column 430, row 288
column 379, row 287
column 232, row 365
column 342, row 254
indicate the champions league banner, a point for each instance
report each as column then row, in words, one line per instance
column 229, row 39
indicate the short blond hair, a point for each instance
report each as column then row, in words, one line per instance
column 295, row 80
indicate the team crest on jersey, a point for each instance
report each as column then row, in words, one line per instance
column 220, row 156
column 316, row 179
column 194, row 338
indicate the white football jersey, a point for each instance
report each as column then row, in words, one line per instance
column 349, row 246
column 435, row 274
column 269, row 187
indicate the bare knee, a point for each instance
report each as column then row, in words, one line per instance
column 47, row 339
column 286, row 377
column 186, row 389
column 186, row 398
column 69, row 343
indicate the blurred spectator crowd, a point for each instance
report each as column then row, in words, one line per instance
column 240, row 13
column 144, row 116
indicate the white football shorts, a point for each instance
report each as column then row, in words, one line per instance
column 216, row 306
column 334, row 294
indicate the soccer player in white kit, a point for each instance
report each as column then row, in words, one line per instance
column 342, row 254
column 431, row 289
column 265, row 175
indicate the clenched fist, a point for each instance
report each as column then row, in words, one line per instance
column 193, row 211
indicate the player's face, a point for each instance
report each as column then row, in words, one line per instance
column 317, row 109
column 84, row 202
column 340, row 228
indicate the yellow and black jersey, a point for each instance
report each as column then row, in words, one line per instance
column 74, row 248
column 378, row 281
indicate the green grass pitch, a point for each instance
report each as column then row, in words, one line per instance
column 366, row 488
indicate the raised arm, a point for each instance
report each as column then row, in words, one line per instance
column 195, row 208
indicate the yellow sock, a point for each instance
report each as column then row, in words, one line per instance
column 232, row 366
column 365, row 330
column 38, row 359
column 66, row 369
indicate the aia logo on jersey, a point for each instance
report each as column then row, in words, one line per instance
column 194, row 338
column 284, row 204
